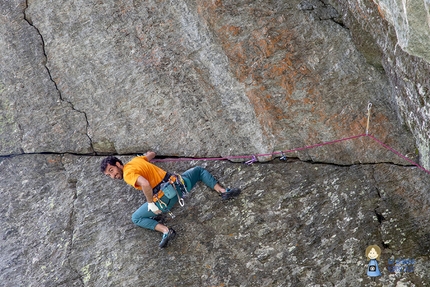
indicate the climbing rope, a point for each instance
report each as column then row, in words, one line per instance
column 399, row 154
column 254, row 157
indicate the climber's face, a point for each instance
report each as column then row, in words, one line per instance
column 114, row 171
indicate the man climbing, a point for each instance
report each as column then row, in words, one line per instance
column 156, row 185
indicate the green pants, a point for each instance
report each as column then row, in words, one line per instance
column 144, row 217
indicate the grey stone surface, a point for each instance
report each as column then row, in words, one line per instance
column 408, row 74
column 200, row 78
column 81, row 79
column 33, row 115
column 411, row 22
column 295, row 224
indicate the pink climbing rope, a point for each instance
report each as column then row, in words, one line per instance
column 398, row 153
column 256, row 155
column 324, row 143
column 293, row 150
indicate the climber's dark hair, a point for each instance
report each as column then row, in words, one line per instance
column 112, row 160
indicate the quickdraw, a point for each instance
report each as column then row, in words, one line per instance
column 179, row 184
column 369, row 106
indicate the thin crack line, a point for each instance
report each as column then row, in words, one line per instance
column 168, row 158
column 28, row 20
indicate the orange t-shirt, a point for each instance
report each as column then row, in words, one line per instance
column 140, row 166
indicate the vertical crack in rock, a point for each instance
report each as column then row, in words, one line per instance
column 380, row 219
column 71, row 230
column 71, row 227
column 379, row 216
column 377, row 190
column 28, row 20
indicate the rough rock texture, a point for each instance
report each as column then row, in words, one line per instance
column 411, row 22
column 296, row 224
column 33, row 117
column 408, row 75
column 213, row 78
column 81, row 79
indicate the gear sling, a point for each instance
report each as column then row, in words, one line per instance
column 175, row 186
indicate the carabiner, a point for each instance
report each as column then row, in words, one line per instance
column 161, row 205
column 251, row 161
column 181, row 202
column 283, row 156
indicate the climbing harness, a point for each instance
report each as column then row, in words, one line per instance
column 178, row 183
column 175, row 186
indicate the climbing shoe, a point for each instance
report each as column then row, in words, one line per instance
column 166, row 237
column 230, row 193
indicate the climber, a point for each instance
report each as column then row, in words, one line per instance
column 156, row 185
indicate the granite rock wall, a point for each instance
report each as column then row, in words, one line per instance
column 395, row 36
column 185, row 78
column 214, row 79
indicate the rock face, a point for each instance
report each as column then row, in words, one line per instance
column 411, row 23
column 295, row 224
column 228, row 79
column 34, row 117
column 200, row 79
column 392, row 48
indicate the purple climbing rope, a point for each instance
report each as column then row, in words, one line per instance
column 398, row 153
column 254, row 156
column 257, row 155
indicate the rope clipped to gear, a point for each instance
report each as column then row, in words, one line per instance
column 254, row 157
